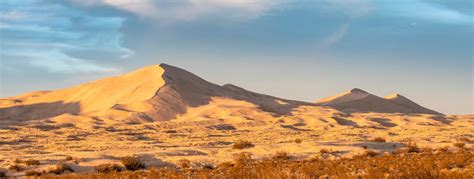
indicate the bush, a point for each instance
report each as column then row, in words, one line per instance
column 281, row 156
column 460, row 145
column 325, row 151
column 32, row 162
column 69, row 158
column 108, row 168
column 16, row 167
column 241, row 144
column 33, row 173
column 379, row 139
column 3, row 174
column 243, row 159
column 132, row 163
column 298, row 140
column 184, row 163
column 60, row 168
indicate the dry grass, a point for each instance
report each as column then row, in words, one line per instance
column 33, row 173
column 132, row 163
column 31, row 162
column 108, row 168
column 16, row 167
column 460, row 145
column 298, row 140
column 406, row 165
column 242, row 144
column 184, row 163
column 281, row 156
column 60, row 168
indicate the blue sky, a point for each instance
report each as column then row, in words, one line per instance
column 302, row 50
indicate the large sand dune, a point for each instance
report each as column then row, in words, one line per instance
column 162, row 114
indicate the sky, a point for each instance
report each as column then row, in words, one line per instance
column 296, row 49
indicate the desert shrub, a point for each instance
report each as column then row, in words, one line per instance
column 465, row 139
column 369, row 153
column 325, row 151
column 17, row 161
column 281, row 155
column 184, row 163
column 242, row 144
column 379, row 139
column 225, row 165
column 31, row 162
column 16, row 167
column 460, row 145
column 33, row 173
column 456, row 164
column 208, row 166
column 60, row 168
column 69, row 158
column 108, row 168
column 298, row 140
column 132, row 163
column 409, row 148
column 3, row 174
column 243, row 159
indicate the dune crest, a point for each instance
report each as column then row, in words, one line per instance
column 358, row 100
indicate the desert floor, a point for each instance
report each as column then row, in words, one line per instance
column 206, row 134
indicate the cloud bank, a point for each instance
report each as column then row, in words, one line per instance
column 57, row 38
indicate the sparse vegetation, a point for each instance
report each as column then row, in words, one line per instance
column 298, row 140
column 108, row 168
column 69, row 158
column 33, row 173
column 132, row 163
column 16, row 167
column 281, row 155
column 184, row 163
column 404, row 165
column 31, row 162
column 60, row 168
column 242, row 144
column 379, row 139
column 460, row 145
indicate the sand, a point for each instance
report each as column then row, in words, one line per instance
column 163, row 114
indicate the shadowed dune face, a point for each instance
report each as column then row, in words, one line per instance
column 23, row 113
column 152, row 93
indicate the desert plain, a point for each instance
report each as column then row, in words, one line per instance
column 162, row 114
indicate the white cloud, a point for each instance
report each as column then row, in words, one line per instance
column 352, row 8
column 165, row 10
column 335, row 36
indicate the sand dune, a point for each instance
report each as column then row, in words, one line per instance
column 163, row 114
column 358, row 100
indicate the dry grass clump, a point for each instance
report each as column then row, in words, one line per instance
column 407, row 165
column 184, row 163
column 60, row 168
column 33, row 173
column 16, row 167
column 298, row 140
column 281, row 155
column 31, row 162
column 379, row 139
column 242, row 144
column 69, row 158
column 460, row 145
column 108, row 168
column 132, row 163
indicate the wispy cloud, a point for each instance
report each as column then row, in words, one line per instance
column 165, row 10
column 424, row 10
column 335, row 36
column 58, row 38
